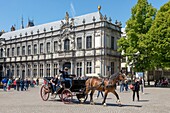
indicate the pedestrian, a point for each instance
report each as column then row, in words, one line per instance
column 15, row 83
column 136, row 89
column 126, row 85
column 99, row 92
column 9, row 84
column 26, row 82
column 18, row 84
column 122, row 84
column 37, row 81
column 22, row 84
column 4, row 82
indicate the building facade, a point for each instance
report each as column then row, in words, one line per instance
column 85, row 44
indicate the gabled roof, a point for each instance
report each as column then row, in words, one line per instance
column 55, row 25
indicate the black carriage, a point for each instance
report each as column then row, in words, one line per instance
column 65, row 93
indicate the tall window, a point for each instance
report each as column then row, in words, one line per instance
column 89, row 42
column 35, row 49
column 79, row 69
column 48, row 70
column 67, row 44
column 112, row 43
column 29, row 49
column 41, row 70
column 8, row 52
column 12, row 71
column 18, row 71
column 89, row 67
column 35, row 71
column 1, row 53
column 112, row 68
column 79, row 43
column 18, row 51
column 23, row 50
column 13, row 51
column 29, row 70
column 55, row 69
column 41, row 48
column 55, row 46
column 48, row 47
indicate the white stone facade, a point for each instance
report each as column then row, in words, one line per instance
column 85, row 44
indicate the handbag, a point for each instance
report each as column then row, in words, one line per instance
column 131, row 87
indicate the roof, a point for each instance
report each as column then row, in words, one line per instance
column 55, row 25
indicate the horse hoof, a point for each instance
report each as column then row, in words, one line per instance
column 104, row 105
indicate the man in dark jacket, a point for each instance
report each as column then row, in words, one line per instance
column 18, row 83
column 66, row 76
column 136, row 89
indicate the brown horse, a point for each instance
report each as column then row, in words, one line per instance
column 106, row 85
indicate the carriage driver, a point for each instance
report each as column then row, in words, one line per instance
column 66, row 76
column 56, row 85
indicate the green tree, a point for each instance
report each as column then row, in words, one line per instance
column 159, row 38
column 136, row 29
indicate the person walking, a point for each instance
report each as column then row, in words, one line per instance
column 9, row 84
column 15, row 83
column 18, row 84
column 136, row 89
column 4, row 82
column 99, row 92
column 22, row 84
column 37, row 81
column 122, row 84
column 26, row 82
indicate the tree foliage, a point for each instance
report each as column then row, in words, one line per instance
column 159, row 38
column 136, row 29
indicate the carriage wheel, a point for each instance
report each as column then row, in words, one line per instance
column 44, row 94
column 66, row 96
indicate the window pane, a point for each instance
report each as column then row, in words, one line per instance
column 23, row 50
column 41, row 48
column 35, row 49
column 18, row 51
column 67, row 44
column 79, row 43
column 112, row 43
column 55, row 46
column 89, row 42
column 48, row 47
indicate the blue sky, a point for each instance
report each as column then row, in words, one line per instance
column 44, row 11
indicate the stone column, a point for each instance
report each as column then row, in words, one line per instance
column 38, row 69
column 72, row 67
column 51, row 69
column 44, row 69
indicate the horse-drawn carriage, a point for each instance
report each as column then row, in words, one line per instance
column 65, row 93
column 81, row 88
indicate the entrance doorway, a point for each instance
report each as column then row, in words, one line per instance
column 23, row 74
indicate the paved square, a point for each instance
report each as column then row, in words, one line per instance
column 155, row 100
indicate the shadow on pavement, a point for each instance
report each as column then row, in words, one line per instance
column 143, row 100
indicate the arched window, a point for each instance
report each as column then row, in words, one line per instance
column 67, row 44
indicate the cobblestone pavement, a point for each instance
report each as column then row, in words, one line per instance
column 155, row 100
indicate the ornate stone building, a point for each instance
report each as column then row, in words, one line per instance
column 85, row 44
